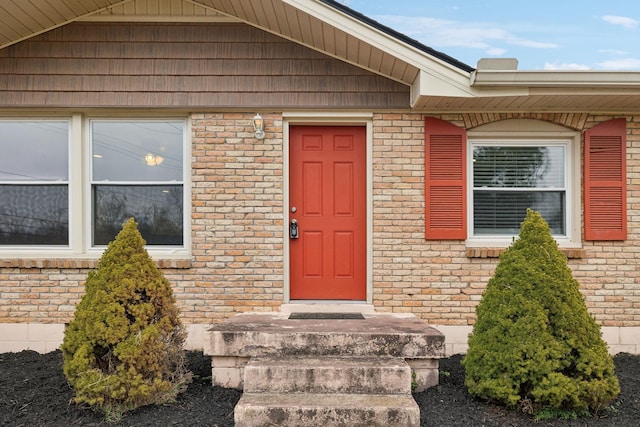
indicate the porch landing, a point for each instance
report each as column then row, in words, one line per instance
column 325, row 371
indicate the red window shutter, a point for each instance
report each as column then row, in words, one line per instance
column 445, row 180
column 605, row 201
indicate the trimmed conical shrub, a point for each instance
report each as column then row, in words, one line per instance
column 534, row 343
column 124, row 347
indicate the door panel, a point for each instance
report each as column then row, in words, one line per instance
column 328, row 201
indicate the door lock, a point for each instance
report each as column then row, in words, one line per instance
column 293, row 229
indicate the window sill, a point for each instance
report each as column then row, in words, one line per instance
column 80, row 263
column 570, row 253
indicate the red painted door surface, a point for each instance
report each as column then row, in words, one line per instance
column 328, row 200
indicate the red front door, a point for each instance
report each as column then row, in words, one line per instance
column 328, row 202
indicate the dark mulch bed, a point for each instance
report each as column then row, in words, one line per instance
column 33, row 392
column 449, row 404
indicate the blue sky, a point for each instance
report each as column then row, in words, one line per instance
column 541, row 34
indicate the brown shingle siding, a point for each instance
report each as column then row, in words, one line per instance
column 181, row 66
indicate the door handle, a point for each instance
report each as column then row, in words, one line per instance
column 293, row 229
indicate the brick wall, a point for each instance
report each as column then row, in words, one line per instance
column 237, row 234
column 237, row 218
column 441, row 281
column 432, row 279
column 237, row 238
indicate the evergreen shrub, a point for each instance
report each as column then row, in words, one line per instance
column 534, row 344
column 124, row 347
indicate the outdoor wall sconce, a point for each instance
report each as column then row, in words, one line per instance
column 258, row 126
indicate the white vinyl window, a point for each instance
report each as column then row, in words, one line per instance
column 510, row 177
column 34, row 183
column 518, row 164
column 137, row 171
column 68, row 184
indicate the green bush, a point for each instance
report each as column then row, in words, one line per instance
column 534, row 343
column 124, row 347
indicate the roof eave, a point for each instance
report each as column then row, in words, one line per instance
column 439, row 74
column 435, row 73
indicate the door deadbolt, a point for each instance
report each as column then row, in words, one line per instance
column 293, row 229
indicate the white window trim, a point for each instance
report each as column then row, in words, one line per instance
column 80, row 192
column 530, row 132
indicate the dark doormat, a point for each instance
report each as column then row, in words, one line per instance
column 325, row 316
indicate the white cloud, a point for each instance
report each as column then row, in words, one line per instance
column 496, row 51
column 621, row 64
column 627, row 64
column 623, row 21
column 533, row 44
column 571, row 67
column 440, row 33
column 613, row 52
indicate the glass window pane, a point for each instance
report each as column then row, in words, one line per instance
column 34, row 151
column 501, row 212
column 34, row 215
column 156, row 208
column 137, row 151
column 518, row 167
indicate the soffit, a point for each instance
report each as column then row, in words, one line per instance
column 22, row 19
column 620, row 102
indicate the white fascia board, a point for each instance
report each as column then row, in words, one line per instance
column 430, row 84
column 439, row 71
column 577, row 79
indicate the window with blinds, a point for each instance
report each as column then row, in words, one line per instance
column 508, row 178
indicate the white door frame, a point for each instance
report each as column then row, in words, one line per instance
column 327, row 119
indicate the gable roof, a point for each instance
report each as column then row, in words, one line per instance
column 438, row 82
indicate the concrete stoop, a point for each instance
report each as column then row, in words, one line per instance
column 330, row 410
column 329, row 374
column 325, row 372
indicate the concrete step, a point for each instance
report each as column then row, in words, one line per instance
column 274, row 334
column 329, row 374
column 326, row 410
